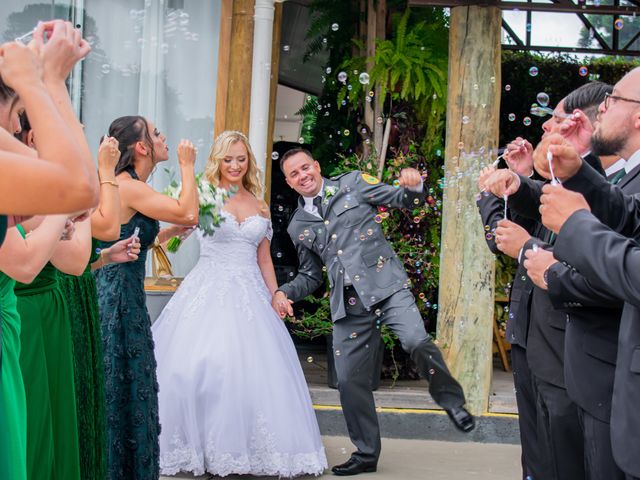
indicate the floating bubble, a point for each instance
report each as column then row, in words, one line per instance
column 492, row 79
column 465, row 120
column 460, row 145
column 528, row 27
column 106, row 68
column 343, row 103
column 328, row 70
column 346, row 132
column 353, row 335
column 342, row 77
column 476, row 86
column 279, row 254
column 364, row 78
column 286, row 48
column 352, row 301
column 543, row 99
column 309, row 359
column 526, row 121
column 377, row 219
column 337, row 353
column 379, row 120
column 583, row 71
column 618, row 24
column 349, row 87
column 439, row 153
column 335, row 27
column 324, row 40
column 371, row 93
column 507, row 88
column 396, row 183
column 301, row 140
column 533, row 71
column 275, row 155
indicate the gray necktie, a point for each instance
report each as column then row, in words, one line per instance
column 317, row 202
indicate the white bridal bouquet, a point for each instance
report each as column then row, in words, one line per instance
column 211, row 201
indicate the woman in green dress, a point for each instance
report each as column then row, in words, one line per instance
column 21, row 260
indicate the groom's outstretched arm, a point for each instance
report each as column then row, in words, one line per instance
column 309, row 277
column 410, row 193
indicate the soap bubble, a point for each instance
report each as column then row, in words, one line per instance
column 507, row 88
column 465, row 120
column 583, row 71
column 512, row 117
column 335, row 27
column 342, row 77
column 106, row 68
column 275, row 155
column 543, row 99
column 346, row 133
column 286, row 48
column 328, row 70
column 310, row 359
column 364, row 78
column 533, row 71
column 618, row 24
column 301, row 140
column 526, row 121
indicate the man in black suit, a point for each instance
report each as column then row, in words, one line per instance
column 609, row 261
column 560, row 434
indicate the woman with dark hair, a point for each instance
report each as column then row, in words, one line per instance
column 130, row 367
column 61, row 176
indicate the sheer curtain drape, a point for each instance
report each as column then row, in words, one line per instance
column 157, row 59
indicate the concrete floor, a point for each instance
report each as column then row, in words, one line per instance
column 424, row 459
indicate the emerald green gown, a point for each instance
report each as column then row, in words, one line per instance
column 13, row 410
column 47, row 370
column 82, row 297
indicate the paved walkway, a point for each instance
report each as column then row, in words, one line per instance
column 424, row 459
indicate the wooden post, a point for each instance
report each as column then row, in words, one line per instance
column 224, row 54
column 238, row 99
column 467, row 267
column 275, row 68
column 369, row 120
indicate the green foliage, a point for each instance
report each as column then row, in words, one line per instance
column 557, row 75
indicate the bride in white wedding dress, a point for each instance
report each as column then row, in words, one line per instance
column 233, row 399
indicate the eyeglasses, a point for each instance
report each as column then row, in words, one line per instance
column 608, row 96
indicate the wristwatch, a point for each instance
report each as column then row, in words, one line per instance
column 545, row 277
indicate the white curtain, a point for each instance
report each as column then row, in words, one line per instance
column 157, row 59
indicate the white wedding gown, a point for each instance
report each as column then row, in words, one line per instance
column 233, row 398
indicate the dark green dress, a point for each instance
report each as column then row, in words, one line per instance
column 13, row 410
column 47, row 369
column 129, row 363
column 82, row 298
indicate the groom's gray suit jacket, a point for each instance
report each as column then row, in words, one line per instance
column 349, row 239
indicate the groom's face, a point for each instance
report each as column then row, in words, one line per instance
column 303, row 174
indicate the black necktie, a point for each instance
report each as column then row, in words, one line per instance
column 317, row 201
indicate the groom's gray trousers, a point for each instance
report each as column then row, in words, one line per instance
column 355, row 339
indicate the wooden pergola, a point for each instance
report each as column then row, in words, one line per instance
column 466, row 302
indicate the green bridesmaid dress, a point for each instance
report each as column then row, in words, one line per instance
column 82, row 298
column 13, row 410
column 47, row 369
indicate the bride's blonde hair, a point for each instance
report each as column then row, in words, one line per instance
column 220, row 147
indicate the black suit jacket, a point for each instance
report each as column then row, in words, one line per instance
column 492, row 211
column 612, row 262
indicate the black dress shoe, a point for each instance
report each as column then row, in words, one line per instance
column 462, row 419
column 354, row 466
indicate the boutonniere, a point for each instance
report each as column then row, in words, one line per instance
column 328, row 193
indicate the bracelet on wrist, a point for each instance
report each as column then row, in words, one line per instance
column 110, row 182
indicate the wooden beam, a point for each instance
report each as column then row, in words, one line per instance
column 240, row 66
column 530, row 6
column 466, row 294
column 224, row 53
column 275, row 68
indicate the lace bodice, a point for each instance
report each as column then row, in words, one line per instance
column 234, row 243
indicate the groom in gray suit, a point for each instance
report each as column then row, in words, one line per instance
column 336, row 228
